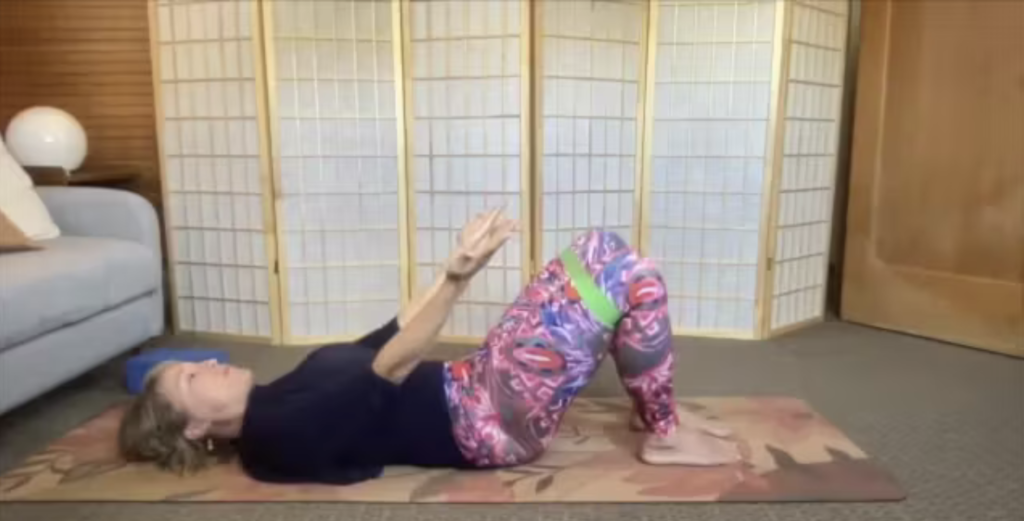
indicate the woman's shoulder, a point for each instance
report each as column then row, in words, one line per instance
column 344, row 353
column 327, row 375
column 321, row 367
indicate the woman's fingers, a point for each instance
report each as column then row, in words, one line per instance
column 481, row 239
column 505, row 229
column 484, row 234
column 499, row 233
column 478, row 229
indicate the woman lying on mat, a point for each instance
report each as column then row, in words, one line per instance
column 348, row 410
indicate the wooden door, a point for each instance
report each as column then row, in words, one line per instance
column 935, row 239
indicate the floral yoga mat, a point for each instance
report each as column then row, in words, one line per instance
column 791, row 454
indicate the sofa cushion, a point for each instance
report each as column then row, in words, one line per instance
column 68, row 280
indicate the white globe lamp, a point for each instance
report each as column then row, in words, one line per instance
column 47, row 136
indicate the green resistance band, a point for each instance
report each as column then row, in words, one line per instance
column 593, row 298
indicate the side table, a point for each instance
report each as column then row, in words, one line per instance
column 55, row 176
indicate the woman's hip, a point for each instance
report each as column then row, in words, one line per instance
column 506, row 401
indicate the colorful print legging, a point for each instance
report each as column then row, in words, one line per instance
column 507, row 399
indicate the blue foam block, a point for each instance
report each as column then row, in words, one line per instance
column 139, row 366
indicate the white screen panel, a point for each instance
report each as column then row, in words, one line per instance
column 211, row 154
column 338, row 159
column 712, row 99
column 466, row 87
column 813, row 104
column 591, row 55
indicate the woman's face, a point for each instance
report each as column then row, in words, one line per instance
column 207, row 392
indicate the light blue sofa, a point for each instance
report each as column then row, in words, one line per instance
column 83, row 298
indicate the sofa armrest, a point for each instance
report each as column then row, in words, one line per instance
column 100, row 212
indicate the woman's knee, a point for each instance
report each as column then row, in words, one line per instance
column 604, row 234
column 647, row 289
column 599, row 245
column 603, row 237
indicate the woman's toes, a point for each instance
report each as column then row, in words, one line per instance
column 689, row 447
column 694, row 421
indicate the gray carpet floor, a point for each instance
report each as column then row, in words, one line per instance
column 946, row 420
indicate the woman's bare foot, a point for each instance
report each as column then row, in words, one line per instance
column 688, row 447
column 687, row 419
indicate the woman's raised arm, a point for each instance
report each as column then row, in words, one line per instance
column 421, row 322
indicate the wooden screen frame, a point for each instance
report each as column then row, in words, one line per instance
column 771, row 226
column 268, row 77
column 531, row 143
column 266, row 180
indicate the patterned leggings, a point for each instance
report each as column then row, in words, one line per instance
column 507, row 399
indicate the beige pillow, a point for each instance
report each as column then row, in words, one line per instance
column 20, row 202
column 11, row 237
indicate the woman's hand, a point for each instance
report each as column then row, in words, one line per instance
column 480, row 238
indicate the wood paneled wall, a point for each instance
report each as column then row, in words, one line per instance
column 91, row 58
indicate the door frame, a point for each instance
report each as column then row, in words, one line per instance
column 841, row 201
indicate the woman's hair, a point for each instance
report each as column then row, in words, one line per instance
column 152, row 430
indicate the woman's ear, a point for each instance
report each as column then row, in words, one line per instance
column 196, row 429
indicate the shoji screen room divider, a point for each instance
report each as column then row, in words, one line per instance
column 320, row 156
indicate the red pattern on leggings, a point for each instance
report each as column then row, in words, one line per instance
column 507, row 399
